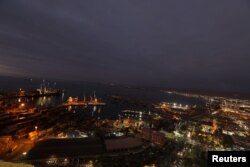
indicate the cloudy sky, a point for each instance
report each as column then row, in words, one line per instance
column 200, row 44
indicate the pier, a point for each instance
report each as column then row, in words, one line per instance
column 82, row 103
column 75, row 102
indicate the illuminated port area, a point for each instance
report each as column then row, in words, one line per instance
column 117, row 83
column 176, row 129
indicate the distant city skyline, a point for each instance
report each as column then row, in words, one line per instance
column 176, row 44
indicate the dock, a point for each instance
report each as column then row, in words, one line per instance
column 75, row 102
column 82, row 103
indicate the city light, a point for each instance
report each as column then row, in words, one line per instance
column 124, row 83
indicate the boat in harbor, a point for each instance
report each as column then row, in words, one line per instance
column 48, row 91
column 94, row 101
column 44, row 90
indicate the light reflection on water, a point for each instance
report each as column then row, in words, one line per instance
column 112, row 110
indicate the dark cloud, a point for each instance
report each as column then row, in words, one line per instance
column 172, row 43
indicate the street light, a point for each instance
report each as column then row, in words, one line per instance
column 37, row 132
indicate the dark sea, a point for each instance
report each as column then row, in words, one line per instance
column 102, row 91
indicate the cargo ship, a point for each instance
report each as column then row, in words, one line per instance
column 76, row 102
column 40, row 92
column 48, row 91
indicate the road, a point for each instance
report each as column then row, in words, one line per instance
column 23, row 145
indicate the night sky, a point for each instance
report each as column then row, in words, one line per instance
column 199, row 44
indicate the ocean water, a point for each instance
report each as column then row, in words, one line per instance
column 104, row 91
